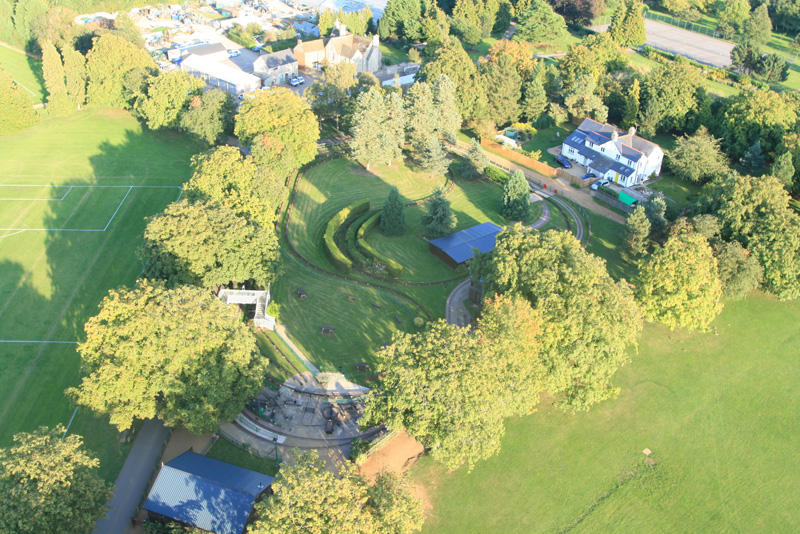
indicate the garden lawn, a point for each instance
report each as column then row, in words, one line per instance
column 645, row 65
column 27, row 72
column 679, row 191
column 228, row 452
column 392, row 55
column 718, row 411
column 52, row 281
column 548, row 138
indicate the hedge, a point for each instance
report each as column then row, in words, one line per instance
column 496, row 175
column 392, row 267
column 339, row 260
column 350, row 241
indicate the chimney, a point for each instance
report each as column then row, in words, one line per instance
column 632, row 131
column 375, row 41
column 614, row 135
column 342, row 30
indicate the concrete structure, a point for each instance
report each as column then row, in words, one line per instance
column 608, row 152
column 456, row 249
column 276, row 67
column 249, row 297
column 206, row 493
column 219, row 75
column 209, row 52
column 363, row 52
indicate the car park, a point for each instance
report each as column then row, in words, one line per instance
column 294, row 81
column 598, row 183
column 564, row 162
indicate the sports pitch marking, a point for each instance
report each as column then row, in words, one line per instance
column 32, row 341
column 70, row 188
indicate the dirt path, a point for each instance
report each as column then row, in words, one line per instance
column 397, row 455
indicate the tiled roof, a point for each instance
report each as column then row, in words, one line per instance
column 276, row 59
column 603, row 164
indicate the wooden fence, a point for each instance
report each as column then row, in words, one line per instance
column 522, row 159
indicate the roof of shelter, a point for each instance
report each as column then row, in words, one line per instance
column 207, row 49
column 460, row 244
column 276, row 59
column 207, row 493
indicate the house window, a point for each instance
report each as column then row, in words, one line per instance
column 602, row 149
column 617, row 156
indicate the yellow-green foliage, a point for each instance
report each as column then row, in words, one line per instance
column 337, row 258
column 392, row 267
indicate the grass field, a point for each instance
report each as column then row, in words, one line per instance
column 92, row 179
column 26, row 71
column 717, row 410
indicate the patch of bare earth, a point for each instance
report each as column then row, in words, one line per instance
column 397, row 455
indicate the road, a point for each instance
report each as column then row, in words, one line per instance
column 134, row 477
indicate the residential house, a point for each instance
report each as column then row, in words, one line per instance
column 611, row 153
column 275, row 68
column 363, row 52
column 205, row 493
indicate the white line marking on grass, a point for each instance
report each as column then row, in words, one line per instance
column 41, row 199
column 118, row 207
column 9, row 235
column 69, row 424
column 31, row 92
column 33, row 341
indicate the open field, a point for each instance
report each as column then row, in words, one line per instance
column 68, row 237
column 27, row 72
column 716, row 409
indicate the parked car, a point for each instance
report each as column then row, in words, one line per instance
column 234, row 53
column 294, row 81
column 588, row 176
column 598, row 183
column 564, row 162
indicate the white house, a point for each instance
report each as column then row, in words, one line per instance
column 276, row 67
column 611, row 153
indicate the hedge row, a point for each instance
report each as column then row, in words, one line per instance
column 350, row 241
column 392, row 267
column 496, row 175
column 339, row 260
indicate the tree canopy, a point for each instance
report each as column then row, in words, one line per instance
column 378, row 127
column 309, row 499
column 679, row 283
column 540, row 23
column 752, row 116
column 697, row 158
column 182, row 355
column 516, row 198
column 283, row 115
column 393, row 214
column 439, row 220
column 627, row 24
column 209, row 117
column 50, row 485
column 206, row 244
column 18, row 113
column 167, row 97
column 110, row 58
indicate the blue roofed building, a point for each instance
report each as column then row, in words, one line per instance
column 456, row 249
column 206, row 493
column 607, row 152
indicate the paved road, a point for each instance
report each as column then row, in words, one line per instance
column 132, row 480
column 456, row 311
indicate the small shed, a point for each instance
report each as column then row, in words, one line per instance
column 626, row 199
column 456, row 249
column 206, row 493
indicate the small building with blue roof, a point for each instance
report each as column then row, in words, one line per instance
column 205, row 493
column 456, row 249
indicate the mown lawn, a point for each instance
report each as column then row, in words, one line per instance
column 548, row 138
column 393, row 55
column 717, row 410
column 52, row 281
column 677, row 190
column 27, row 72
column 228, row 452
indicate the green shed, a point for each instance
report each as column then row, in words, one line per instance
column 626, row 199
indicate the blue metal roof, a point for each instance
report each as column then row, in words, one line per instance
column 209, row 494
column 460, row 244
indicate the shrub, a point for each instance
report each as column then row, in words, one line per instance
column 392, row 267
column 336, row 257
column 496, row 175
column 350, row 240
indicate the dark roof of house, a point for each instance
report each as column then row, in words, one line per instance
column 460, row 244
column 277, row 59
column 629, row 139
column 206, row 493
column 603, row 164
column 205, row 50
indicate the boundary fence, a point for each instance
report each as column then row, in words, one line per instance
column 665, row 19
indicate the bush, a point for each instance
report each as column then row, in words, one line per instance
column 496, row 175
column 392, row 267
column 350, row 241
column 336, row 257
column 358, row 451
column 608, row 191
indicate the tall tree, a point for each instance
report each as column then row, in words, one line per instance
column 636, row 235
column 375, row 132
column 735, row 13
column 631, row 104
column 401, row 19
column 697, row 158
column 419, row 111
column 445, row 100
column 58, row 102
column 307, row 498
column 225, row 176
column 568, row 287
column 656, row 210
column 577, row 11
column 506, row 90
column 758, row 28
column 739, row 270
column 582, row 101
column 183, row 356
column 433, row 158
column 451, row 59
column 534, row 101
column 540, row 24
column 206, row 244
column 783, row 169
column 439, row 220
column 627, row 24
column 474, row 165
column 679, row 283
column 753, row 159
column 209, row 118
column 18, row 113
column 110, row 58
column 283, row 115
column 25, row 13
column 520, row 54
column 516, row 198
column 167, row 97
column 75, row 75
column 671, row 90
column 329, row 96
column 50, row 484
column 393, row 214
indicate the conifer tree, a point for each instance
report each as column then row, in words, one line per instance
column 631, row 105
column 783, row 169
column 506, row 90
column 627, row 24
column 655, row 209
column 440, row 219
column 516, row 198
column 58, row 102
column 393, row 215
column 75, row 75
column 444, row 99
column 753, row 159
column 474, row 165
column 433, row 158
column 371, row 141
column 420, row 115
column 534, row 101
column 636, row 234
